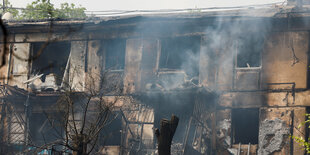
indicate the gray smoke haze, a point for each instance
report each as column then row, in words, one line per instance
column 223, row 40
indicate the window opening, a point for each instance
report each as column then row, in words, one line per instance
column 111, row 133
column 51, row 62
column 249, row 51
column 245, row 126
column 41, row 130
column 180, row 53
column 115, row 54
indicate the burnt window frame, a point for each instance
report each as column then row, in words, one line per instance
column 110, row 73
column 241, row 39
column 164, row 41
column 233, row 126
column 108, row 136
column 164, row 71
column 251, row 69
column 105, row 52
column 44, row 122
column 41, row 45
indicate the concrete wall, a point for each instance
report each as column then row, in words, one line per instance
column 133, row 65
column 279, row 63
column 77, row 65
column 20, row 65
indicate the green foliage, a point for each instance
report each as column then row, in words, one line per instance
column 43, row 9
column 299, row 139
column 40, row 9
column 8, row 8
column 70, row 11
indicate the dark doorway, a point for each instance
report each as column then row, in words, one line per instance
column 245, row 126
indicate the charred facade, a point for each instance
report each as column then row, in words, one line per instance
column 238, row 80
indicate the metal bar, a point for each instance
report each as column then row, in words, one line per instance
column 201, row 123
column 249, row 147
column 122, row 113
column 2, row 127
column 138, row 122
column 9, row 65
column 27, row 121
column 239, row 149
column 186, row 134
column 281, row 83
column 141, row 135
column 213, row 126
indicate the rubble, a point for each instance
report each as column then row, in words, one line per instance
column 273, row 135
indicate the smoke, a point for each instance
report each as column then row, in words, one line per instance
column 226, row 45
column 232, row 43
column 208, row 59
column 184, row 77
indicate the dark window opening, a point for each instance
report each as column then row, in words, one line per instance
column 51, row 61
column 249, row 51
column 180, row 53
column 245, row 126
column 111, row 133
column 115, row 54
column 41, row 130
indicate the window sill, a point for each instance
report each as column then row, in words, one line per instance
column 248, row 68
column 167, row 71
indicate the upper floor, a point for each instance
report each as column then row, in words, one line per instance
column 244, row 51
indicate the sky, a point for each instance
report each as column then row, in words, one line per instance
column 101, row 5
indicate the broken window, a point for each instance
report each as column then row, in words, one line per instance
column 111, row 133
column 249, row 51
column 41, row 130
column 180, row 53
column 115, row 54
column 245, row 124
column 51, row 61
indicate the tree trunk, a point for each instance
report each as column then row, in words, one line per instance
column 80, row 145
column 165, row 134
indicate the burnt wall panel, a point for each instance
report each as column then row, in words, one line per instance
column 280, row 99
column 39, row 37
column 4, row 69
column 242, row 99
column 93, row 64
column 247, row 79
column 207, row 64
column 224, row 75
column 302, row 98
column 299, row 117
column 222, row 132
column 285, row 59
column 276, row 124
column 259, row 98
column 149, row 62
column 132, row 65
column 77, row 65
column 20, row 67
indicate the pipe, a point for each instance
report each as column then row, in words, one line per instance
column 249, row 147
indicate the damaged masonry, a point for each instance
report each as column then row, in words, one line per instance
column 237, row 79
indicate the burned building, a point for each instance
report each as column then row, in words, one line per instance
column 237, row 79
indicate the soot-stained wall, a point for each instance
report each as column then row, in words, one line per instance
column 283, row 59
